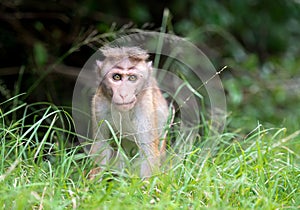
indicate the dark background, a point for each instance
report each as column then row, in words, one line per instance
column 44, row 44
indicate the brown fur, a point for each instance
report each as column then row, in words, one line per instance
column 135, row 108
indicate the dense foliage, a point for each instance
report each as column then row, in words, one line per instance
column 257, row 40
column 43, row 46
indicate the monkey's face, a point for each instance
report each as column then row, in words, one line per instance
column 124, row 82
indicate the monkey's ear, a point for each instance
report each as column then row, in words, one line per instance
column 149, row 64
column 99, row 64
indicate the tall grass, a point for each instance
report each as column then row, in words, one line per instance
column 41, row 169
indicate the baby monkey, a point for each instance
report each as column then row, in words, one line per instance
column 129, row 101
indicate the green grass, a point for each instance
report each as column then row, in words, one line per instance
column 41, row 169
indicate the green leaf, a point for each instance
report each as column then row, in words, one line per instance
column 40, row 54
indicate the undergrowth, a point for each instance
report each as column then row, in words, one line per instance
column 42, row 167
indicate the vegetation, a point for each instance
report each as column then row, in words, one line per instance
column 256, row 164
column 39, row 171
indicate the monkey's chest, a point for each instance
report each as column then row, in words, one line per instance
column 124, row 124
column 126, row 131
column 125, row 141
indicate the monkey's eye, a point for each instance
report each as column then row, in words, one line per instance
column 117, row 77
column 132, row 78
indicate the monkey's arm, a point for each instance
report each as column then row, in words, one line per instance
column 150, row 129
column 101, row 151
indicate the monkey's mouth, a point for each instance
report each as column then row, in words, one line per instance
column 124, row 104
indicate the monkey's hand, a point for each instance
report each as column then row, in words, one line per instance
column 94, row 173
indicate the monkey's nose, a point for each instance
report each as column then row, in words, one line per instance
column 123, row 95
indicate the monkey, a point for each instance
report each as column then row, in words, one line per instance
column 129, row 101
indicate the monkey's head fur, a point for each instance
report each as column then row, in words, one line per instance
column 124, row 74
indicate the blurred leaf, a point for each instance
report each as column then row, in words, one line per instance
column 139, row 13
column 39, row 26
column 234, row 91
column 251, row 62
column 40, row 54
